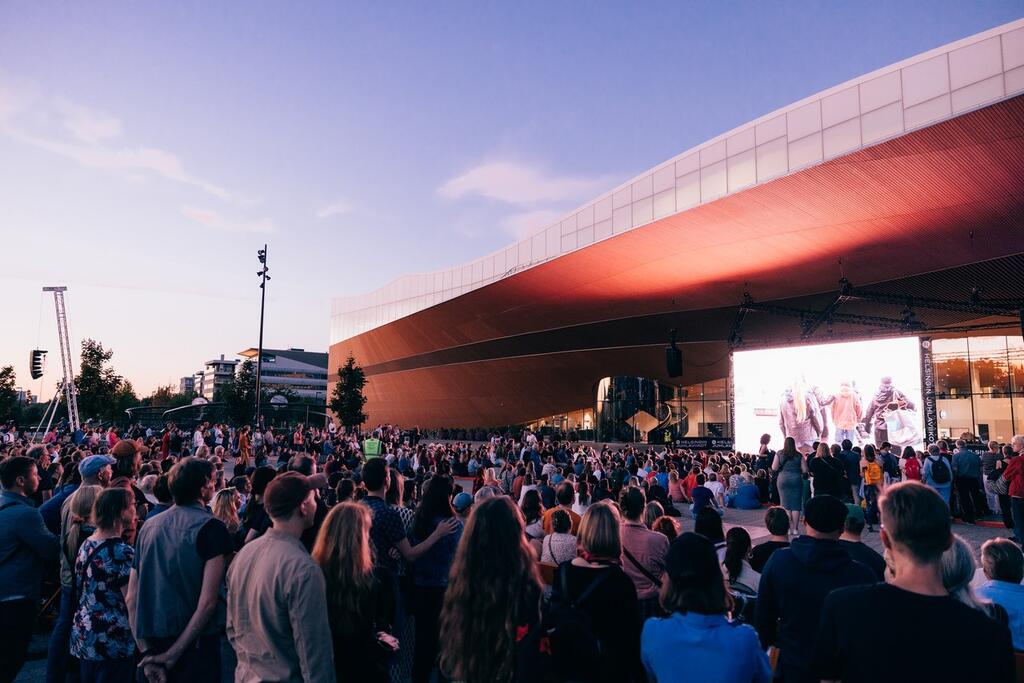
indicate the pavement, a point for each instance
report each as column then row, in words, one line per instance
column 752, row 520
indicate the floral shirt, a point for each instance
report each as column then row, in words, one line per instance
column 100, row 630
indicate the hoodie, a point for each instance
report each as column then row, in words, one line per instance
column 793, row 588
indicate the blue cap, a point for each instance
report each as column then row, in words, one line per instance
column 90, row 466
column 462, row 502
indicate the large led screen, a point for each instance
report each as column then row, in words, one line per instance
column 867, row 391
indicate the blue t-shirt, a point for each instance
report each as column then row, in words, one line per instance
column 702, row 498
column 1011, row 597
column 710, row 648
column 99, row 628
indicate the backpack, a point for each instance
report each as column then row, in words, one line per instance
column 891, row 466
column 940, row 470
column 570, row 631
column 913, row 468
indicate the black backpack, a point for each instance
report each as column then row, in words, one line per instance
column 940, row 470
column 576, row 651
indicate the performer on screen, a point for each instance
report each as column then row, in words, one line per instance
column 798, row 416
column 887, row 398
column 846, row 412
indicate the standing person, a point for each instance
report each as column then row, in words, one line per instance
column 173, row 593
column 851, row 461
column 873, row 476
column 937, row 472
column 361, row 599
column 697, row 642
column 100, row 635
column 967, row 479
column 492, row 600
column 794, row 585
column 991, row 467
column 27, row 548
column 1014, row 476
column 791, row 466
column 244, row 451
column 910, row 465
column 276, row 606
column 643, row 552
column 915, row 532
column 430, row 571
column 827, row 472
column 388, row 530
column 886, row 398
column 595, row 583
column 846, row 411
column 96, row 473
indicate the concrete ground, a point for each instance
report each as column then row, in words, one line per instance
column 751, row 520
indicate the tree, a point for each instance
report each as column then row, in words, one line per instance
column 8, row 396
column 102, row 393
column 239, row 395
column 167, row 397
column 347, row 400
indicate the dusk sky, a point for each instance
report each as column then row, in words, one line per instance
column 147, row 150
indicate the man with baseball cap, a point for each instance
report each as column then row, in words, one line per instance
column 796, row 581
column 277, row 603
column 463, row 505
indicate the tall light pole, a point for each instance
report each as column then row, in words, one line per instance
column 262, row 273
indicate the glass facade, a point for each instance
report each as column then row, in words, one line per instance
column 979, row 387
column 645, row 410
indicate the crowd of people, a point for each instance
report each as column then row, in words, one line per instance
column 321, row 555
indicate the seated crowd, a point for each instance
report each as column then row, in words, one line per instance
column 324, row 556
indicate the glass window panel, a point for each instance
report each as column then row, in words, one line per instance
column 694, row 417
column 952, row 371
column 992, row 419
column 1015, row 352
column 716, row 389
column 716, row 419
column 990, row 374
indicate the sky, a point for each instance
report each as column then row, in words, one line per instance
column 147, row 150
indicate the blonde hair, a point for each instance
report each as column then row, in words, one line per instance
column 225, row 508
column 80, row 504
column 823, row 450
column 343, row 552
column 599, row 531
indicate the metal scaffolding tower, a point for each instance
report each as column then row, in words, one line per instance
column 70, row 391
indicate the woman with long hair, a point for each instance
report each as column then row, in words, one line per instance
column 736, row 563
column 791, row 466
column 225, row 508
column 958, row 568
column 533, row 513
column 430, row 575
column 494, row 591
column 101, row 638
column 361, row 600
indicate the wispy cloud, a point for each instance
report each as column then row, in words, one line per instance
column 336, row 208
column 27, row 115
column 521, row 225
column 516, row 183
column 214, row 220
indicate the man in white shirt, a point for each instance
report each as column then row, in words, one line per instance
column 716, row 488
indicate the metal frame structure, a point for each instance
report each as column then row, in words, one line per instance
column 67, row 364
column 811, row 320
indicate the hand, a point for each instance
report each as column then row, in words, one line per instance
column 154, row 673
column 387, row 640
column 447, row 527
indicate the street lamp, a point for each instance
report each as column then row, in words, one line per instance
column 261, row 254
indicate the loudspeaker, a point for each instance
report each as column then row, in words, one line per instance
column 673, row 360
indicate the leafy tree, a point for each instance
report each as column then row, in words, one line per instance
column 168, row 397
column 8, row 396
column 102, row 393
column 347, row 400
